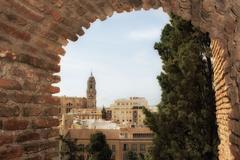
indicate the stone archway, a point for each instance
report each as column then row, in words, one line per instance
column 32, row 34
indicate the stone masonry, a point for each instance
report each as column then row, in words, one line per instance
column 32, row 34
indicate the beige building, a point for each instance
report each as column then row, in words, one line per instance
column 128, row 111
column 85, row 107
column 122, row 140
column 82, row 102
column 125, row 130
column 81, row 108
column 69, row 103
column 87, row 113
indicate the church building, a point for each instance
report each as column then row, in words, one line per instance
column 83, row 107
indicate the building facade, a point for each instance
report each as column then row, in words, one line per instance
column 121, row 141
column 80, row 108
column 128, row 111
column 84, row 106
column 82, row 102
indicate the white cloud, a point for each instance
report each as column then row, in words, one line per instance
column 145, row 34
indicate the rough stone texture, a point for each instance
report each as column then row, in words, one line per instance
column 32, row 34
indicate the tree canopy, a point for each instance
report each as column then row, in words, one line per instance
column 98, row 148
column 70, row 150
column 185, row 124
column 104, row 113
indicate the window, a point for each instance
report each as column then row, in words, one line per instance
column 125, row 147
column 134, row 147
column 113, row 148
column 142, row 147
column 143, row 135
column 81, row 147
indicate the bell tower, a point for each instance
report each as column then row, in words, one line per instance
column 91, row 92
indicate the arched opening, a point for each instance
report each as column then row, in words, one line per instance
column 32, row 35
column 120, row 54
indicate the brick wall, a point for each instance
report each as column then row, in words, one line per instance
column 32, row 34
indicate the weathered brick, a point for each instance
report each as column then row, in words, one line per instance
column 13, row 18
column 14, row 32
column 15, row 124
column 9, row 111
column 26, row 11
column 45, row 123
column 20, row 98
column 3, row 97
column 60, row 51
column 56, row 28
column 27, row 136
column 235, row 126
column 35, row 158
column 49, row 133
column 35, row 147
column 32, row 111
column 51, row 155
column 28, row 85
column 46, row 100
column 5, row 139
column 53, row 89
column 52, row 111
column 37, row 62
column 11, row 152
column 10, row 84
column 54, row 79
column 217, row 17
column 50, row 89
column 56, row 16
column 235, row 151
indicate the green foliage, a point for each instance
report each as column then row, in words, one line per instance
column 146, row 156
column 185, row 124
column 69, row 149
column 98, row 148
column 104, row 113
column 132, row 155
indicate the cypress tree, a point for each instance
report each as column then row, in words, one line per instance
column 98, row 148
column 185, row 124
column 104, row 113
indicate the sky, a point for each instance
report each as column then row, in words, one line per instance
column 119, row 52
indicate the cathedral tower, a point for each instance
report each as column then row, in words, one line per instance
column 91, row 92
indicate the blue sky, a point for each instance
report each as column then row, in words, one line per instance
column 119, row 51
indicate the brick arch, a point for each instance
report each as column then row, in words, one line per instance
column 32, row 34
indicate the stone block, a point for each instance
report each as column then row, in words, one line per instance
column 10, row 84
column 10, row 110
column 5, row 139
column 27, row 136
column 15, row 124
column 44, row 123
column 11, row 152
